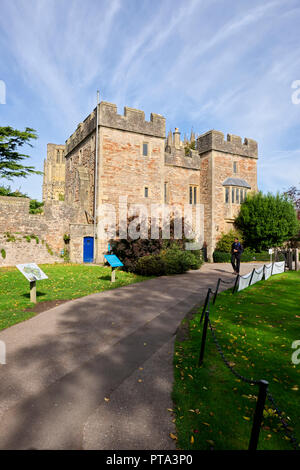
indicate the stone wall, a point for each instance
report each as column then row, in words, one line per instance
column 80, row 178
column 49, row 228
column 22, row 251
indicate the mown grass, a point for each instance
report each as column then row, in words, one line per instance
column 255, row 329
column 66, row 281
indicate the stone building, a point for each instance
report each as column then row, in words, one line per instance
column 54, row 173
column 135, row 160
column 112, row 158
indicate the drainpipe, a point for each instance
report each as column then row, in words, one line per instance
column 96, row 180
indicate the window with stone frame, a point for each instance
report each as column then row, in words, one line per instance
column 166, row 193
column 145, row 149
column 235, row 167
column 193, row 194
column 227, row 195
column 146, row 191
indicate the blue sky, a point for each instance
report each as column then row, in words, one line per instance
column 207, row 64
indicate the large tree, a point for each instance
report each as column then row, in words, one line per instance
column 267, row 220
column 11, row 160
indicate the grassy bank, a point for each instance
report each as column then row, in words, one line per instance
column 66, row 281
column 255, row 329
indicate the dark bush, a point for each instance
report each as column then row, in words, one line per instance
column 151, row 265
column 248, row 255
column 172, row 260
column 221, row 257
column 130, row 251
column 177, row 261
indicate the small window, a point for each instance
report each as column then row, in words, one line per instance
column 145, row 150
column 57, row 157
column 166, row 193
column 193, row 194
column 227, row 195
column 232, row 195
column 234, row 167
column 237, row 195
column 242, row 196
column 146, row 192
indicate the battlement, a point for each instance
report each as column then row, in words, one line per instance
column 214, row 140
column 83, row 130
column 133, row 120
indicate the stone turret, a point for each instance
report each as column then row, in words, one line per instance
column 214, row 140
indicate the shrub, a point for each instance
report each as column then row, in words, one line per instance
column 177, row 261
column 248, row 255
column 225, row 242
column 3, row 253
column 221, row 257
column 197, row 259
column 172, row 260
column 129, row 251
column 35, row 207
column 151, row 265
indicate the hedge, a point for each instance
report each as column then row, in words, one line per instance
column 247, row 255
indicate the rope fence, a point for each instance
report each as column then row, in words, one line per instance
column 263, row 385
column 256, row 275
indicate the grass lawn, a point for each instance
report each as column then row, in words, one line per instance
column 255, row 328
column 66, row 281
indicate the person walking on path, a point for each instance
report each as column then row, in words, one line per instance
column 236, row 251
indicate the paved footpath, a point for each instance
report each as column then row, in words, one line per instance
column 63, row 365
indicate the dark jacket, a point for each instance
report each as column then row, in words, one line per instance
column 236, row 246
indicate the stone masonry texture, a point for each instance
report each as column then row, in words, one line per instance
column 124, row 172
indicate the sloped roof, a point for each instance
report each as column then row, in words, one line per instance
column 236, row 182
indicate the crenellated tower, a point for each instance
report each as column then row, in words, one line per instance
column 54, row 173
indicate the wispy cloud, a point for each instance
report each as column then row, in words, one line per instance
column 204, row 63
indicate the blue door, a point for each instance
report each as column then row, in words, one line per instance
column 88, row 249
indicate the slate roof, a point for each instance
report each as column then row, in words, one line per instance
column 236, row 182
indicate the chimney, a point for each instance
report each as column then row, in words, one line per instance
column 176, row 138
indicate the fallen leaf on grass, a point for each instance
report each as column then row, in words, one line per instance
column 172, row 436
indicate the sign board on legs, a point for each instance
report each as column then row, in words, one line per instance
column 32, row 272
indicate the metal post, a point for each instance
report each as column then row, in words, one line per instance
column 33, row 291
column 205, row 304
column 252, row 276
column 235, row 284
column 217, row 289
column 203, row 341
column 113, row 274
column 290, row 259
column 258, row 415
